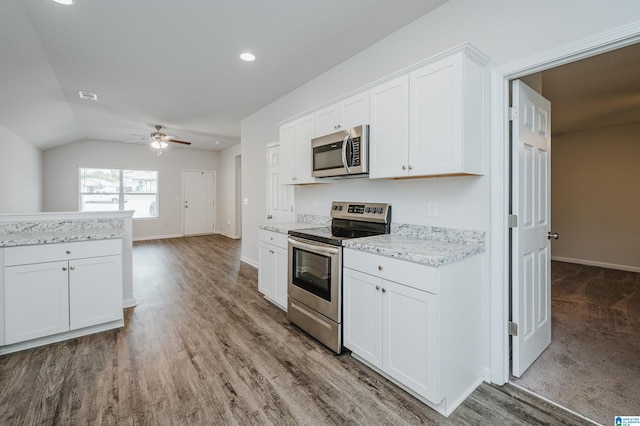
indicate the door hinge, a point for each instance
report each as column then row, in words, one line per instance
column 513, row 328
column 512, row 220
column 513, row 113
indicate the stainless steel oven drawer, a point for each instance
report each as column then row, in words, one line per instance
column 323, row 329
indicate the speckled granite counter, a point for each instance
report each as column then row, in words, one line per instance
column 422, row 244
column 303, row 221
column 51, row 231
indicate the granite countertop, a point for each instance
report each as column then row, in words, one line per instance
column 415, row 249
column 31, row 238
column 285, row 227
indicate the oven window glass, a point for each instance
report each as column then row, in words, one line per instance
column 312, row 272
column 328, row 157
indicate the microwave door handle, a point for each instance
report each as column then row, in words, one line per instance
column 345, row 162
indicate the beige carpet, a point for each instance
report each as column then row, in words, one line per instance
column 593, row 363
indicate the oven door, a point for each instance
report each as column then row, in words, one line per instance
column 315, row 276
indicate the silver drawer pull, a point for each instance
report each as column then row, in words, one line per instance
column 384, row 290
column 68, row 251
column 377, row 287
column 380, row 268
column 72, row 268
column 64, row 268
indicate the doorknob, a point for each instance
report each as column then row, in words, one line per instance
column 554, row 235
column 269, row 216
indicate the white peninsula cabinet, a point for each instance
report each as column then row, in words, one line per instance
column 272, row 272
column 418, row 325
column 429, row 122
column 350, row 112
column 295, row 150
column 56, row 288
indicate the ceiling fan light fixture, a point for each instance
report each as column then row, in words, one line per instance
column 159, row 144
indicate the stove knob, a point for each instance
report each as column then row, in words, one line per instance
column 367, row 210
column 335, row 207
column 339, row 208
column 380, row 210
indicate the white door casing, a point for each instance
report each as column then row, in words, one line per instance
column 199, row 199
column 531, row 250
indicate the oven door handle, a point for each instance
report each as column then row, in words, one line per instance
column 313, row 247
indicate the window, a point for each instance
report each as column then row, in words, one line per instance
column 117, row 189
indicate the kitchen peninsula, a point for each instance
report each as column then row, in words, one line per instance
column 65, row 275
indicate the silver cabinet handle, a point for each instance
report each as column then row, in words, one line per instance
column 380, row 268
column 555, row 235
column 72, row 268
column 64, row 268
column 377, row 287
column 404, row 167
column 410, row 167
column 269, row 217
column 384, row 290
column 68, row 252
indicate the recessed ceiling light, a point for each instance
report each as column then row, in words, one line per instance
column 65, row 2
column 87, row 95
column 247, row 57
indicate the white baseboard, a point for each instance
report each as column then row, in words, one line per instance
column 129, row 303
column 233, row 237
column 598, row 264
column 157, row 237
column 249, row 261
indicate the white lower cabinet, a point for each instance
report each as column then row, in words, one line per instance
column 45, row 298
column 418, row 325
column 272, row 271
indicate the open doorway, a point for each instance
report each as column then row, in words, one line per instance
column 592, row 363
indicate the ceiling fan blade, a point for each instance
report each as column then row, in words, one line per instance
column 137, row 140
column 177, row 141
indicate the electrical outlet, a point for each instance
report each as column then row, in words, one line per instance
column 432, row 209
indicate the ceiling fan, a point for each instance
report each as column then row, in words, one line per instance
column 159, row 140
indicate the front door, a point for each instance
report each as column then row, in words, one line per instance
column 531, row 204
column 198, row 202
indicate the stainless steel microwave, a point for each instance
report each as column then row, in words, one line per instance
column 344, row 153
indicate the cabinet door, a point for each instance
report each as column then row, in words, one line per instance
column 305, row 128
column 36, row 300
column 280, row 276
column 355, row 110
column 435, row 145
column 362, row 315
column 288, row 153
column 267, row 271
column 389, row 133
column 328, row 119
column 410, row 340
column 95, row 291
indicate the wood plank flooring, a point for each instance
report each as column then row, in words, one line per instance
column 204, row 347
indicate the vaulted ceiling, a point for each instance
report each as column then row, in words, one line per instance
column 172, row 62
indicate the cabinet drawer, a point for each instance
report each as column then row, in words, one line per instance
column 24, row 255
column 275, row 238
column 420, row 277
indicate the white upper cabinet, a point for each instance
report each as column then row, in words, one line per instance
column 446, row 110
column 295, row 150
column 389, row 130
column 350, row 112
column 433, row 125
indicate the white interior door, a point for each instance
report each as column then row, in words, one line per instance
column 279, row 196
column 198, row 201
column 531, row 203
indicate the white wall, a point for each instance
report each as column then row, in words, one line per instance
column 20, row 174
column 595, row 202
column 227, row 217
column 503, row 31
column 61, row 183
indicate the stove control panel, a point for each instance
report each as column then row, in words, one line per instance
column 368, row 212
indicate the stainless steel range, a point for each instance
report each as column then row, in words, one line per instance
column 315, row 267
